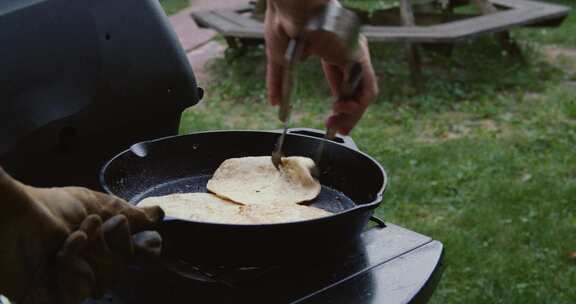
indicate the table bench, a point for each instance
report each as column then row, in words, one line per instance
column 412, row 23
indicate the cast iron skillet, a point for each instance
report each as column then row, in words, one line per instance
column 353, row 186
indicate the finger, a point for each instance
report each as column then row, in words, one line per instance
column 147, row 244
column 91, row 225
column 328, row 46
column 99, row 255
column 108, row 206
column 346, row 114
column 76, row 281
column 369, row 90
column 97, row 246
column 73, row 245
column 274, row 80
column 276, row 45
column 143, row 218
column 368, row 87
column 343, row 123
column 349, row 107
column 334, row 75
column 118, row 236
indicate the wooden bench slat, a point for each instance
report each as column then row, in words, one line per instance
column 403, row 34
column 208, row 19
column 239, row 20
column 523, row 12
column 246, row 33
column 503, row 20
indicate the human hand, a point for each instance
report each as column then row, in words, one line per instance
column 63, row 245
column 285, row 19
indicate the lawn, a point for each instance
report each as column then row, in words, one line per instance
column 483, row 161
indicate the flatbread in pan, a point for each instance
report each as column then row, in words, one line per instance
column 267, row 214
column 206, row 207
column 255, row 181
column 202, row 207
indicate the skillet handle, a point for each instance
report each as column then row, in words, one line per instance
column 343, row 140
column 378, row 221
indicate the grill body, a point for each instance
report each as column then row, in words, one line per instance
column 82, row 80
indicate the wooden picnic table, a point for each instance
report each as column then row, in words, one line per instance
column 413, row 23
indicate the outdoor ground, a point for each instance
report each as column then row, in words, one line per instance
column 483, row 161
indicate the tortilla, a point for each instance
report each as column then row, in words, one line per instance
column 255, row 181
column 206, row 207
column 202, row 207
column 268, row 214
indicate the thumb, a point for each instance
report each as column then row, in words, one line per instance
column 141, row 218
column 107, row 206
column 335, row 75
column 118, row 236
column 147, row 244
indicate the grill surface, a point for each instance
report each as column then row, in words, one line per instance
column 391, row 265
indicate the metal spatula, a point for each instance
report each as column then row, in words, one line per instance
column 292, row 56
column 348, row 91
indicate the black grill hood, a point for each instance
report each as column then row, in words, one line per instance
column 81, row 80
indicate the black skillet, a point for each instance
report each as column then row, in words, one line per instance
column 353, row 186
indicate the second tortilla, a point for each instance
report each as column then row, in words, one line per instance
column 206, row 207
column 202, row 207
column 255, row 181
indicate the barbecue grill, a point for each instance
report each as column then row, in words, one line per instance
column 82, row 81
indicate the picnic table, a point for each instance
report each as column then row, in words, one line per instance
column 413, row 22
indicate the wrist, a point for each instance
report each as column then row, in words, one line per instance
column 12, row 199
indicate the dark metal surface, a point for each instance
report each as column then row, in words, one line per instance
column 81, row 80
column 409, row 278
column 353, row 188
column 392, row 265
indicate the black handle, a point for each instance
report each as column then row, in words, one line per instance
column 378, row 221
column 343, row 140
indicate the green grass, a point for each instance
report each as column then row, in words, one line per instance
column 483, row 161
column 369, row 5
column 173, row 6
column 562, row 36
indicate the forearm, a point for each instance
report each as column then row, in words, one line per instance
column 16, row 239
column 10, row 197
